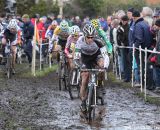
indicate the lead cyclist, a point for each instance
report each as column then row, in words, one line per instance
column 92, row 51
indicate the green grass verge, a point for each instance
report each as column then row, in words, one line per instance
column 149, row 99
column 40, row 73
column 118, row 82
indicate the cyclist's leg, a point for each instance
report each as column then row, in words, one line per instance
column 84, row 82
column 83, row 92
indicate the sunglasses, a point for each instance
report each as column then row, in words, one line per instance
column 89, row 37
column 75, row 35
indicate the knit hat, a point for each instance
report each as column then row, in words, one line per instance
column 136, row 13
column 157, row 23
column 131, row 9
column 156, row 14
column 25, row 16
column 125, row 18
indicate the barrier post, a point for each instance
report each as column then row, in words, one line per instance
column 133, row 53
column 115, row 60
column 140, row 57
column 40, row 56
column 145, row 92
column 50, row 56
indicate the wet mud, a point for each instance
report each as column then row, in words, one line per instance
column 37, row 104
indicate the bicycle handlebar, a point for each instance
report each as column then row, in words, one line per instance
column 93, row 70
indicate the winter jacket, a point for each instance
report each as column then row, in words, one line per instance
column 141, row 34
column 28, row 30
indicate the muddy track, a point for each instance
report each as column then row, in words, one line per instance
column 37, row 104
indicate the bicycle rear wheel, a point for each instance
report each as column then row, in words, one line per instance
column 72, row 75
column 60, row 79
column 63, row 76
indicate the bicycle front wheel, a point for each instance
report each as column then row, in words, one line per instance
column 91, row 108
column 9, row 66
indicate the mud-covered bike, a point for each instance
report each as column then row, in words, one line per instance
column 63, row 71
column 92, row 92
column 9, row 59
column 74, row 82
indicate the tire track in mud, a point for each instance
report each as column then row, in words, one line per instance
column 37, row 104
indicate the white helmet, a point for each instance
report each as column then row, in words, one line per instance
column 54, row 22
column 89, row 30
column 75, row 30
column 13, row 24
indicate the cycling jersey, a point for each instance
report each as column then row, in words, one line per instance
column 70, row 40
column 49, row 32
column 58, row 33
column 102, row 34
column 87, row 49
column 12, row 37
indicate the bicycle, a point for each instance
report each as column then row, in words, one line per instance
column 74, row 81
column 62, row 71
column 9, row 58
column 92, row 92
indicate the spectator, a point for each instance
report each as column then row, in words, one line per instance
column 28, row 31
column 156, row 58
column 110, row 29
column 125, row 52
column 41, row 28
column 141, row 37
column 147, row 14
column 103, row 23
column 129, row 14
column 77, row 21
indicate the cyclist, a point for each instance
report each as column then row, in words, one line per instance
column 49, row 33
column 60, row 36
column 92, row 50
column 70, row 45
column 50, row 30
column 102, row 35
column 11, row 34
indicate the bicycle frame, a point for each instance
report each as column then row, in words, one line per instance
column 8, row 53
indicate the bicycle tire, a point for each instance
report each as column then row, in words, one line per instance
column 9, row 66
column 65, row 76
column 60, row 75
column 72, row 77
column 91, row 112
column 70, row 84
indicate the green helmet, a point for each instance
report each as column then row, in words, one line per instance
column 64, row 25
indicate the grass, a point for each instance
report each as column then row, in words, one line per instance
column 40, row 73
column 149, row 99
column 112, row 79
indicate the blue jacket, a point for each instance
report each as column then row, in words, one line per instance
column 28, row 30
column 141, row 34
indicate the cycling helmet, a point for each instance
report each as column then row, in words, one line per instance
column 95, row 23
column 64, row 25
column 89, row 30
column 13, row 24
column 75, row 30
column 54, row 23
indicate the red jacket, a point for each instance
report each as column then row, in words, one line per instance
column 41, row 29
